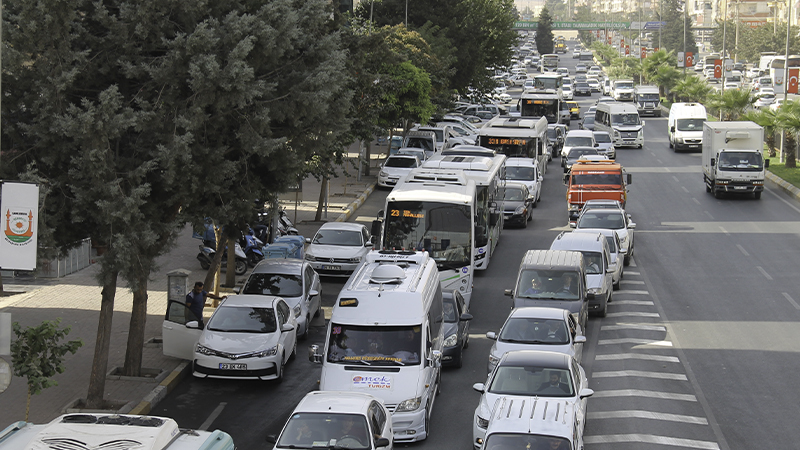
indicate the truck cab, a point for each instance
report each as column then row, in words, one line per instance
column 591, row 180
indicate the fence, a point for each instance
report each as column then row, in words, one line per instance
column 77, row 258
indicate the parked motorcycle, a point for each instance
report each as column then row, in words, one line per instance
column 253, row 248
column 206, row 257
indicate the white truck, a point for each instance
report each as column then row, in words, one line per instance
column 622, row 90
column 733, row 158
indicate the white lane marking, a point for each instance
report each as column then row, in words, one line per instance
column 631, row 273
column 643, row 393
column 723, row 230
column 696, row 200
column 659, row 161
column 642, row 356
column 630, row 291
column 791, row 300
column 640, row 374
column 214, row 414
column 764, row 272
column 709, row 215
column 639, row 414
column 744, row 252
column 653, row 342
column 632, row 282
column 651, row 439
column 783, row 200
column 633, row 263
column 632, row 326
column 684, row 189
column 633, row 302
column 633, row 314
column 677, row 180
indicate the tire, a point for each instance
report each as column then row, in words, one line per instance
column 204, row 263
column 281, row 368
column 241, row 266
column 458, row 362
column 252, row 259
column 304, row 336
column 717, row 194
column 293, row 355
column 757, row 195
column 604, row 311
column 615, row 286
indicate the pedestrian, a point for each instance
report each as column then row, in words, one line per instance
column 196, row 300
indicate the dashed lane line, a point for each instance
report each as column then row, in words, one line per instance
column 639, row 414
column 651, row 439
column 791, row 300
column 633, row 314
column 211, row 418
column 631, row 282
column 764, row 272
column 627, row 272
column 633, row 302
column 741, row 249
column 642, row 356
column 640, row 374
column 644, row 393
column 631, row 291
column 634, row 341
column 633, row 326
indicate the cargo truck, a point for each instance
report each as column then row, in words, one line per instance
column 592, row 180
column 733, row 159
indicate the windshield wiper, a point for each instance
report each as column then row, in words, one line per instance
column 362, row 361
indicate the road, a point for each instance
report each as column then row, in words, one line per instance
column 698, row 350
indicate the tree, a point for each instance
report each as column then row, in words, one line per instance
column 732, row 103
column 557, row 10
column 766, row 118
column 788, row 120
column 544, row 33
column 37, row 354
column 672, row 34
column 691, row 88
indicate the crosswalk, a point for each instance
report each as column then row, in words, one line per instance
column 643, row 397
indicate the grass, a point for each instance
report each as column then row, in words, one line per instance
column 791, row 175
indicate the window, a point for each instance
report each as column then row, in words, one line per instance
column 178, row 312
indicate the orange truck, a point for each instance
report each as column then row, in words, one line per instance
column 595, row 180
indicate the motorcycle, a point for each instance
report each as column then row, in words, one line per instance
column 253, row 248
column 285, row 225
column 206, row 257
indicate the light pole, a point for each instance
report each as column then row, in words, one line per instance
column 685, row 5
column 736, row 42
column 786, row 63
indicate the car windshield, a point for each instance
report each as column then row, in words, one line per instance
column 690, row 124
column 281, row 285
column 422, row 143
column 582, row 84
column 549, row 284
column 525, row 330
column 513, row 441
column 593, row 262
column 624, row 86
column 519, row 173
column 625, row 119
column 338, row 237
column 551, row 133
column 404, row 163
column 450, row 312
column 603, row 138
column 513, row 195
column 610, row 220
column 325, row 430
column 582, row 141
column 374, row 345
column 740, row 161
column 531, row 381
column 588, row 120
column 243, row 319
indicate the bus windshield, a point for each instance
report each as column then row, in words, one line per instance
column 444, row 230
column 374, row 345
column 545, row 83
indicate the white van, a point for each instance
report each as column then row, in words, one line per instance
column 597, row 262
column 622, row 122
column 685, row 126
column 385, row 338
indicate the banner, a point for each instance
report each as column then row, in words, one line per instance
column 627, row 50
column 644, row 52
column 689, row 59
column 792, row 81
column 20, row 218
column 717, row 68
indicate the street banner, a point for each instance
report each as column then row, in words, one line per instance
column 627, row 49
column 20, row 218
column 689, row 59
column 644, row 52
column 681, row 61
column 717, row 68
column 792, row 81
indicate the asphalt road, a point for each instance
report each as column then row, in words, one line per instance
column 699, row 349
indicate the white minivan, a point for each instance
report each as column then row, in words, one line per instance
column 685, row 126
column 622, row 122
column 385, row 338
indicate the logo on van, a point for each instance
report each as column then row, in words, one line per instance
column 372, row 382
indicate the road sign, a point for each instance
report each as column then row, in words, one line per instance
column 654, row 25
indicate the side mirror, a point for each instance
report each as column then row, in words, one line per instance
column 313, row 293
column 632, row 225
column 508, row 293
column 766, row 163
column 713, row 162
column 287, row 327
column 271, row 439
column 580, row 339
column 480, row 387
column 195, row 325
column 628, row 178
column 491, row 335
column 382, row 442
column 308, row 240
column 465, row 317
column 643, row 123
column 573, row 225
column 672, row 129
column 368, row 244
column 586, row 393
column 315, row 354
column 237, row 289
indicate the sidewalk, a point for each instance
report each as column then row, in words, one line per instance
column 76, row 300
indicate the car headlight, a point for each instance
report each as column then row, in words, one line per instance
column 268, row 352
column 493, row 360
column 203, row 350
column 355, row 260
column 451, row 340
column 616, row 134
column 297, row 311
column 481, row 422
column 309, row 257
column 594, row 291
column 383, row 174
column 411, row 404
column 520, row 209
column 679, row 140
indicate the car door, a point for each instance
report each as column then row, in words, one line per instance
column 178, row 340
column 461, row 308
column 313, row 283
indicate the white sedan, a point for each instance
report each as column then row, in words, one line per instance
column 610, row 219
column 338, row 248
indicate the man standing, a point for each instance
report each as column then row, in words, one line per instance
column 196, row 300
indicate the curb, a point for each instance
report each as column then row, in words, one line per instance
column 352, row 207
column 783, row 184
column 165, row 387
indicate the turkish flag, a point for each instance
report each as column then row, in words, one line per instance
column 717, row 68
column 627, row 50
column 609, row 39
column 792, row 86
column 689, row 59
column 644, row 52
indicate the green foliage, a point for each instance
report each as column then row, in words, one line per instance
column 544, row 33
column 557, row 9
column 410, row 97
column 38, row 355
column 766, row 118
column 790, row 174
column 731, row 104
column 672, row 34
column 691, row 88
column 754, row 41
column 788, row 120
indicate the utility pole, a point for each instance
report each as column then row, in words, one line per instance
column 736, row 42
column 724, row 29
column 786, row 62
column 685, row 6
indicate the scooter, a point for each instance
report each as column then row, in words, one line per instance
column 206, row 257
column 252, row 248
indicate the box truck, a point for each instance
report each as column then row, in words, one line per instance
column 733, row 158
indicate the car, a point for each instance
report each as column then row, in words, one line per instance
column 776, row 105
column 580, row 77
column 338, row 248
column 596, row 203
column 580, row 68
column 504, row 97
column 764, row 100
column 576, row 54
column 456, row 318
column 605, row 145
column 247, row 337
column 526, row 170
column 577, row 138
column 537, row 328
column 576, row 153
column 590, row 111
column 566, row 92
column 420, row 153
column 517, row 204
column 518, row 80
column 615, row 249
column 527, row 376
column 292, row 279
column 563, row 71
column 396, row 167
column 529, row 84
column 395, row 142
column 574, row 110
column 566, row 81
column 594, row 85
column 337, row 419
column 612, row 220
column 587, row 123
column 582, row 88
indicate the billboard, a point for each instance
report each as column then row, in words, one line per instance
column 19, row 204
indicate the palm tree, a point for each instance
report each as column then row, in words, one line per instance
column 788, row 120
column 654, row 62
column 691, row 89
column 767, row 118
column 731, row 104
column 665, row 77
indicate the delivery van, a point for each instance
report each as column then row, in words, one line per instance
column 622, row 122
column 385, row 338
column 685, row 126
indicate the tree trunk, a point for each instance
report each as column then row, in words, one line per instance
column 214, row 270
column 368, row 157
column 771, row 144
column 321, row 201
column 230, row 274
column 133, row 352
column 97, row 378
column 791, row 150
column 28, row 405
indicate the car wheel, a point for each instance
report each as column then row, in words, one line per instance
column 615, row 286
column 756, row 195
column 427, row 420
column 293, row 355
column 604, row 311
column 525, row 223
column 281, row 368
column 533, row 205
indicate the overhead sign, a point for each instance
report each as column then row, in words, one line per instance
column 19, row 214
column 532, row 25
column 654, row 25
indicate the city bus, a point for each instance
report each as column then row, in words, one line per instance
column 533, row 104
column 488, row 173
column 550, row 61
column 434, row 211
column 516, row 137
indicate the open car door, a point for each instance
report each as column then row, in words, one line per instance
column 178, row 340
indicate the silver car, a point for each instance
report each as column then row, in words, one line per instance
column 605, row 145
column 613, row 220
column 338, row 248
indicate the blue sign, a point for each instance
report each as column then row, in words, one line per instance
column 654, row 25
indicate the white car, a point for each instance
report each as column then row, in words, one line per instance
column 764, row 100
column 605, row 145
column 615, row 249
column 537, row 328
column 247, row 337
column 612, row 220
column 504, row 97
column 566, row 92
column 530, row 375
column 577, row 138
column 526, row 171
column 396, row 167
column 338, row 248
column 337, row 419
column 776, row 105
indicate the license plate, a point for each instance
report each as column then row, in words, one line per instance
column 740, row 187
column 232, row 366
column 331, row 267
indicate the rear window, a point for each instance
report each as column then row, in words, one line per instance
column 405, row 163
